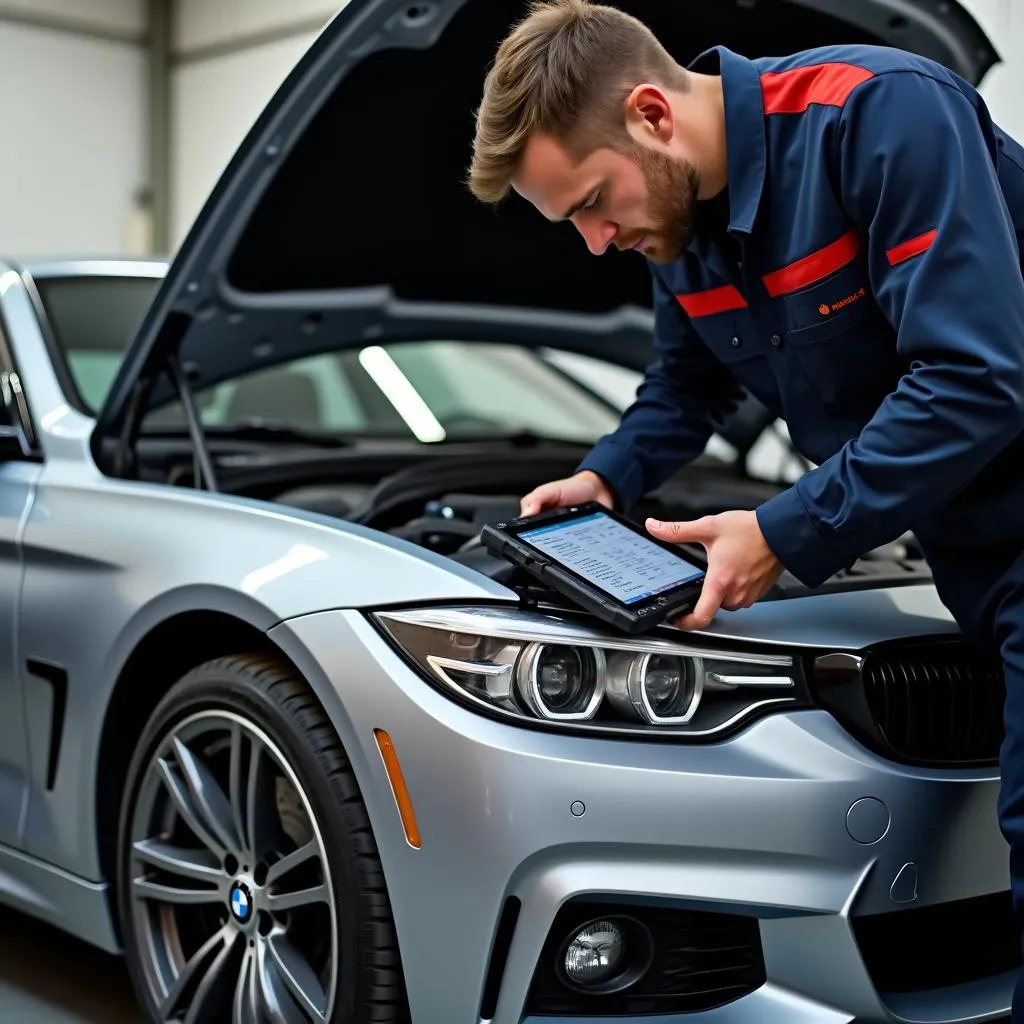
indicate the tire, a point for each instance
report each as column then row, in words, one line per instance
column 232, row 880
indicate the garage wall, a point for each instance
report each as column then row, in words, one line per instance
column 229, row 56
column 1003, row 23
column 74, row 124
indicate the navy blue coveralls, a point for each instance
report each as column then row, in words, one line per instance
column 869, row 292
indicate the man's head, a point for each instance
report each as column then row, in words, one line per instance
column 587, row 116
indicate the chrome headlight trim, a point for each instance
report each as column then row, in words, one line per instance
column 538, row 627
column 627, row 687
column 528, row 685
column 485, row 657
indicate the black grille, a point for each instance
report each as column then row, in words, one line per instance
column 700, row 960
column 934, row 947
column 938, row 703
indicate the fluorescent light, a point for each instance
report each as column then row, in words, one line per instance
column 401, row 394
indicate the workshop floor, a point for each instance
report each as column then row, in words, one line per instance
column 48, row 978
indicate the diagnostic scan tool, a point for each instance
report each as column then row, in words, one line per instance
column 602, row 562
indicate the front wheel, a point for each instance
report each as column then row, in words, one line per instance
column 250, row 887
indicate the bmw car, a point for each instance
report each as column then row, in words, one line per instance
column 277, row 728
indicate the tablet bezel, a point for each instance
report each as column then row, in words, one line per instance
column 530, row 557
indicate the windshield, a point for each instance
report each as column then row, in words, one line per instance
column 432, row 390
column 93, row 319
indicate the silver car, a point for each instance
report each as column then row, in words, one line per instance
column 276, row 726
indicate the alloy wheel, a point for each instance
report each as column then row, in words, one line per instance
column 232, row 899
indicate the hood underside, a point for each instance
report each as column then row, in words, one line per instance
column 344, row 217
column 374, row 194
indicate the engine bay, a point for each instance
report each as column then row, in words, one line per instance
column 439, row 498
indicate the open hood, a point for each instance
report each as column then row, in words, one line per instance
column 344, row 218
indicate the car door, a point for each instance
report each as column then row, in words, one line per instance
column 19, row 469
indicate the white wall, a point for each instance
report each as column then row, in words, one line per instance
column 205, row 22
column 216, row 96
column 73, row 127
column 126, row 16
column 1003, row 87
column 213, row 104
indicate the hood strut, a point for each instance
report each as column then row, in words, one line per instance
column 202, row 462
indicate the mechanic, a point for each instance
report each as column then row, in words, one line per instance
column 837, row 232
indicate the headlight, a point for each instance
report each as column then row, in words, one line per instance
column 660, row 689
column 560, row 682
column 544, row 669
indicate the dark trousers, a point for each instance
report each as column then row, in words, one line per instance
column 984, row 590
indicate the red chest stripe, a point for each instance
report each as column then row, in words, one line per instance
column 792, row 92
column 815, row 267
column 911, row 247
column 714, row 300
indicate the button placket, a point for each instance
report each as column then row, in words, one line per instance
column 763, row 311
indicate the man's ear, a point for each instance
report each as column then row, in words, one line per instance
column 649, row 114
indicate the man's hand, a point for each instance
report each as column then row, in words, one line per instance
column 574, row 490
column 741, row 566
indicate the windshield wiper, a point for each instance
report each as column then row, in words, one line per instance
column 273, row 430
column 267, row 430
column 522, row 438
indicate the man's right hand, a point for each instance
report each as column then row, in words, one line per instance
column 574, row 490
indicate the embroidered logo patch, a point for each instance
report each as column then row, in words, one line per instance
column 827, row 310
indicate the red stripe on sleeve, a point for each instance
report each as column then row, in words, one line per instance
column 712, row 301
column 814, row 267
column 792, row 92
column 911, row 247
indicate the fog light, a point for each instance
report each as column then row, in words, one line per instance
column 595, row 954
column 605, row 955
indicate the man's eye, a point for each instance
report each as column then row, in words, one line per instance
column 593, row 201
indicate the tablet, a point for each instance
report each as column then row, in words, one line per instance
column 602, row 562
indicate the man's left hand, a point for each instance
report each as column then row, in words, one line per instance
column 741, row 566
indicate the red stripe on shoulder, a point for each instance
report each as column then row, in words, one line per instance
column 911, row 247
column 792, row 92
column 712, row 301
column 815, row 266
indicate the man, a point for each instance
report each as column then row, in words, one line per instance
column 838, row 232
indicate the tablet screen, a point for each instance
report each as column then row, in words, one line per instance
column 624, row 564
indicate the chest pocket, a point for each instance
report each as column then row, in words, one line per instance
column 722, row 319
column 834, row 329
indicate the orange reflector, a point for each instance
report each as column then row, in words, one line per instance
column 398, row 788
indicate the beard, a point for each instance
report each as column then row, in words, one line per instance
column 672, row 202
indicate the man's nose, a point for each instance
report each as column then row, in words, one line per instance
column 597, row 233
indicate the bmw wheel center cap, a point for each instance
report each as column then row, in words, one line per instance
column 241, row 903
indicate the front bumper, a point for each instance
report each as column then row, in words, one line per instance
column 758, row 825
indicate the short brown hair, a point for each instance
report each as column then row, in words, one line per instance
column 565, row 70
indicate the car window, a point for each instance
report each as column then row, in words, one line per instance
column 431, row 390
column 487, row 385
column 93, row 318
